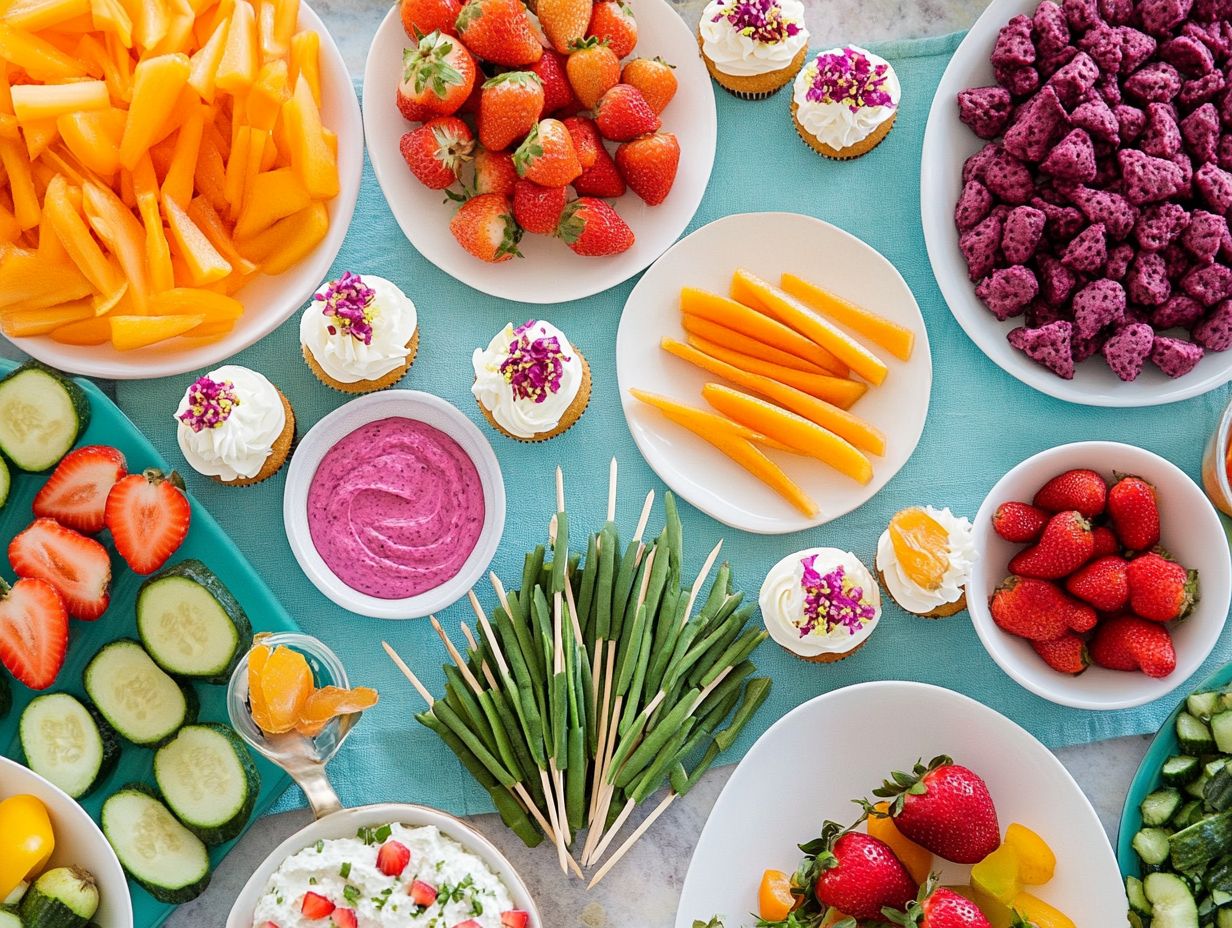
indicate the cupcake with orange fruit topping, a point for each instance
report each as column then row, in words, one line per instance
column 924, row 560
column 752, row 48
column 359, row 333
column 820, row 604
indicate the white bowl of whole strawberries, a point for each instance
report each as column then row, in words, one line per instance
column 1104, row 578
column 543, row 156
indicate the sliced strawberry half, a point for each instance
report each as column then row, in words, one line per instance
column 148, row 516
column 316, row 906
column 515, row 918
column 421, row 893
column 33, row 631
column 75, row 494
column 392, row 858
column 469, row 923
column 345, row 918
column 78, row 567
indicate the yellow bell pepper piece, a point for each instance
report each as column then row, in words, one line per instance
column 998, row 874
column 157, row 83
column 1039, row 913
column 1036, row 861
column 28, row 841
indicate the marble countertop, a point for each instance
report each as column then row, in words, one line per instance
column 643, row 891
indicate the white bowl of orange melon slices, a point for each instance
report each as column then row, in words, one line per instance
column 151, row 230
column 789, row 402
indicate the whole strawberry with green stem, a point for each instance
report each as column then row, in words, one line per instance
column 1160, row 589
column 945, row 808
column 1038, row 610
column 557, row 94
column 547, row 155
column 938, row 907
column 592, row 228
column 612, row 21
column 436, row 151
column 854, row 873
column 623, row 114
column 1134, row 510
column 601, row 179
column 649, row 165
column 1064, row 546
column 586, row 140
column 593, row 69
column 494, row 172
column 1085, row 491
column 1019, row 522
column 438, row 75
column 654, row 78
column 499, row 31
column 484, row 226
column 538, row 209
column 564, row 21
column 419, row 17
column 510, row 105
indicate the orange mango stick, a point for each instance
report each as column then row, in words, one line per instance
column 792, row 312
column 794, row 431
column 21, row 184
column 38, row 102
column 238, row 67
column 75, row 235
column 131, row 332
column 157, row 83
column 203, row 66
column 37, row 57
column 737, row 341
column 837, row 390
column 735, row 446
column 894, row 338
column 24, row 323
column 827, row 415
column 85, row 332
column 178, row 182
column 749, row 321
column 201, row 259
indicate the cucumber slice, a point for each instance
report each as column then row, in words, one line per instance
column 1194, row 847
column 140, row 702
column 1136, row 894
column 1151, row 845
column 208, row 780
column 191, row 624
column 1180, row 770
column 41, row 414
column 1172, row 902
column 1194, row 736
column 68, row 743
column 1221, row 729
column 6, row 482
column 1223, row 918
column 167, row 859
column 1203, row 705
column 66, row 897
column 1217, row 796
column 1197, row 789
column 1159, row 807
column 1187, row 814
column 10, row 919
column 12, row 900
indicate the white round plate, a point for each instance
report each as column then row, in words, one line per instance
column 549, row 272
column 947, row 144
column 268, row 301
column 1190, row 530
column 344, row 824
column 79, row 843
column 766, row 244
column 838, row 747
column 404, row 404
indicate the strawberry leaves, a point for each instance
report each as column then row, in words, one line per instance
column 901, row 785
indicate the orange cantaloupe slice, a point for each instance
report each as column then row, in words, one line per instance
column 25, row 323
column 238, row 67
column 287, row 240
column 839, row 421
column 757, row 325
column 38, row 102
column 796, row 432
column 738, row 341
column 39, row 58
column 306, row 61
column 894, row 338
column 86, row 332
column 203, row 65
column 311, row 156
column 837, row 390
column 37, row 15
column 201, row 259
column 75, row 236
column 275, row 195
column 734, row 444
column 791, row 312
column 131, row 332
column 94, row 138
column 157, row 83
column 178, row 180
column 122, row 233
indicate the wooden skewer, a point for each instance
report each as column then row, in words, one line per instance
column 611, row 491
column 633, row 839
column 605, row 799
column 605, row 724
column 406, row 672
column 597, row 854
column 644, row 518
column 560, row 489
column 701, row 578
column 493, row 641
column 463, row 668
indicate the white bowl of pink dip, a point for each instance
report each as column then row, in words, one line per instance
column 394, row 504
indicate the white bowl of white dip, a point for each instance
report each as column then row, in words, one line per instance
column 331, row 855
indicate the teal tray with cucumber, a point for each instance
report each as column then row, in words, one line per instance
column 137, row 709
column 1175, row 841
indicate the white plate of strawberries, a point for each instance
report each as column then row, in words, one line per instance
column 539, row 158
column 1104, row 575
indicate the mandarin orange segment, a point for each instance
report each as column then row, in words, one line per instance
column 921, row 545
column 328, row 703
column 774, row 898
column 258, row 657
column 286, row 682
column 917, row 860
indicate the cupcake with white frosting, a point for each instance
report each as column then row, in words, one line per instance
column 530, row 382
column 820, row 604
column 360, row 333
column 845, row 102
column 235, row 426
column 924, row 560
column 753, row 47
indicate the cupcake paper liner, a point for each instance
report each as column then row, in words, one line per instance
column 365, row 386
column 280, row 453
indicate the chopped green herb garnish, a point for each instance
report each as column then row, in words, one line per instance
column 476, row 906
column 312, row 881
column 345, row 870
column 373, row 834
column 351, row 894
column 320, row 846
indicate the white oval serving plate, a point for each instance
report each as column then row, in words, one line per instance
column 838, row 747
column 947, row 143
column 405, row 404
column 766, row 244
column 549, row 272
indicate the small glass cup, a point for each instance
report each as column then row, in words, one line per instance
column 1215, row 464
column 304, row 758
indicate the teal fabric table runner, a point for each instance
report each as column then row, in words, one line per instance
column 981, row 422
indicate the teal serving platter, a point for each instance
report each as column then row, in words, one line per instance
column 1147, row 779
column 208, row 543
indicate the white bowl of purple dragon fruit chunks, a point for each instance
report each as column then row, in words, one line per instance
column 1091, row 222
